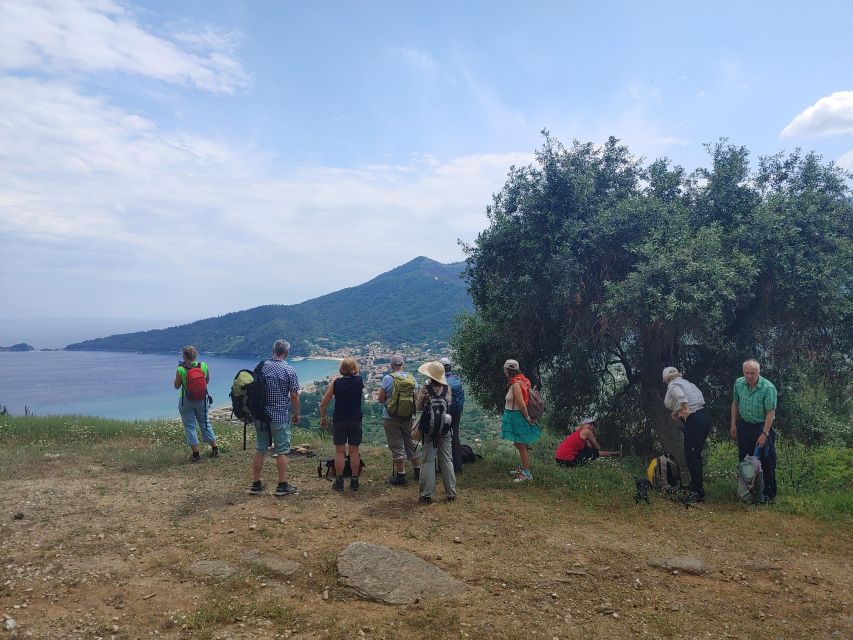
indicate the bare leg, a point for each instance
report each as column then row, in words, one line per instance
column 523, row 454
column 355, row 460
column 257, row 465
column 339, row 459
column 281, row 464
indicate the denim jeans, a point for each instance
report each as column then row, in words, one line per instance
column 192, row 412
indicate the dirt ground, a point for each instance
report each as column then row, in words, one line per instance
column 89, row 551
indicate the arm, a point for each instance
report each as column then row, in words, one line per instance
column 324, row 403
column 420, row 400
column 680, row 401
column 765, row 431
column 381, row 398
column 589, row 436
column 519, row 401
column 733, row 427
column 178, row 380
column 294, row 400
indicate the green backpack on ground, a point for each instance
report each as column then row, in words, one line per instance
column 401, row 404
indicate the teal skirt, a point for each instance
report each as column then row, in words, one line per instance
column 515, row 428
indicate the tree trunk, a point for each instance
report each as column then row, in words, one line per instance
column 668, row 431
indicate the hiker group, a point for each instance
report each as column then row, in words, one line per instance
column 421, row 422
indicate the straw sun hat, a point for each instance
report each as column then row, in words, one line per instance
column 434, row 370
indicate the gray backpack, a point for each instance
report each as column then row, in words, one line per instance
column 750, row 479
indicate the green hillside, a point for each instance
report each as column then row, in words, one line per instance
column 414, row 303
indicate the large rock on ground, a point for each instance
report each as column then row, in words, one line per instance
column 272, row 563
column 212, row 569
column 685, row 564
column 392, row 576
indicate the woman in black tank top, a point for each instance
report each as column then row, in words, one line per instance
column 347, row 391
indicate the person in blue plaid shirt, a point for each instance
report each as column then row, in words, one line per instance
column 282, row 391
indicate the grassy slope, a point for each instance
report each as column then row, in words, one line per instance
column 118, row 516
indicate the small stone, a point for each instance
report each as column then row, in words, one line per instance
column 230, row 530
column 252, row 527
column 457, row 540
column 10, row 624
column 325, row 594
column 115, row 628
column 19, row 515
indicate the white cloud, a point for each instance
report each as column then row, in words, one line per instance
column 846, row 161
column 420, row 60
column 100, row 35
column 97, row 202
column 831, row 115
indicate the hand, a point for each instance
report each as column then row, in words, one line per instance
column 295, row 419
column 529, row 420
column 324, row 422
column 674, row 415
column 733, row 430
column 762, row 440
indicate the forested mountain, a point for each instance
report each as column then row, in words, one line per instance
column 414, row 303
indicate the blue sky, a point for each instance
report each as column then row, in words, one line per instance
column 166, row 161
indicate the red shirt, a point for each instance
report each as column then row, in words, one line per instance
column 570, row 447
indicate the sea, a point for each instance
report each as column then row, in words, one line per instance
column 129, row 386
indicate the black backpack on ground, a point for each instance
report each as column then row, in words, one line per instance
column 330, row 468
column 469, row 455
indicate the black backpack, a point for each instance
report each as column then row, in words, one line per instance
column 249, row 397
column 330, row 468
column 468, row 454
column 435, row 420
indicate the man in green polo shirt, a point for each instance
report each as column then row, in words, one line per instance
column 753, row 412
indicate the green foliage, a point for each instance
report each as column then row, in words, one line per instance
column 414, row 303
column 596, row 272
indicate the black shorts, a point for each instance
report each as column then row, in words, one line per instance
column 347, row 432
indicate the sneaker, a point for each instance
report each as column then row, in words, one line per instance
column 417, row 473
column 257, row 488
column 284, row 489
column 425, row 500
column 194, row 458
column 524, row 476
column 514, row 472
column 353, row 483
column 338, row 484
column 695, row 496
column 398, row 480
column 214, row 452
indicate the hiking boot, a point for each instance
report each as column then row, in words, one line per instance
column 695, row 496
column 425, row 500
column 214, row 452
column 339, row 484
column 284, row 489
column 353, row 483
column 524, row 476
column 257, row 488
column 195, row 457
column 398, row 480
column 450, row 499
column 417, row 473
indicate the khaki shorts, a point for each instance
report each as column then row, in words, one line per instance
column 398, row 434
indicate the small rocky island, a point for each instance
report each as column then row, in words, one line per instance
column 22, row 346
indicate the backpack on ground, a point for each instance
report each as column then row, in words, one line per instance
column 468, row 454
column 248, row 397
column 196, row 388
column 457, row 401
column 401, row 404
column 750, row 479
column 435, row 419
column 331, row 473
column 664, row 474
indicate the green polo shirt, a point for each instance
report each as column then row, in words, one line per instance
column 753, row 404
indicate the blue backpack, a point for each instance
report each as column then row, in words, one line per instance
column 458, row 400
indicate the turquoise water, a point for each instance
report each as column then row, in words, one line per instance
column 117, row 385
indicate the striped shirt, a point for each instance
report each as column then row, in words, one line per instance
column 680, row 390
column 753, row 404
column 281, row 380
